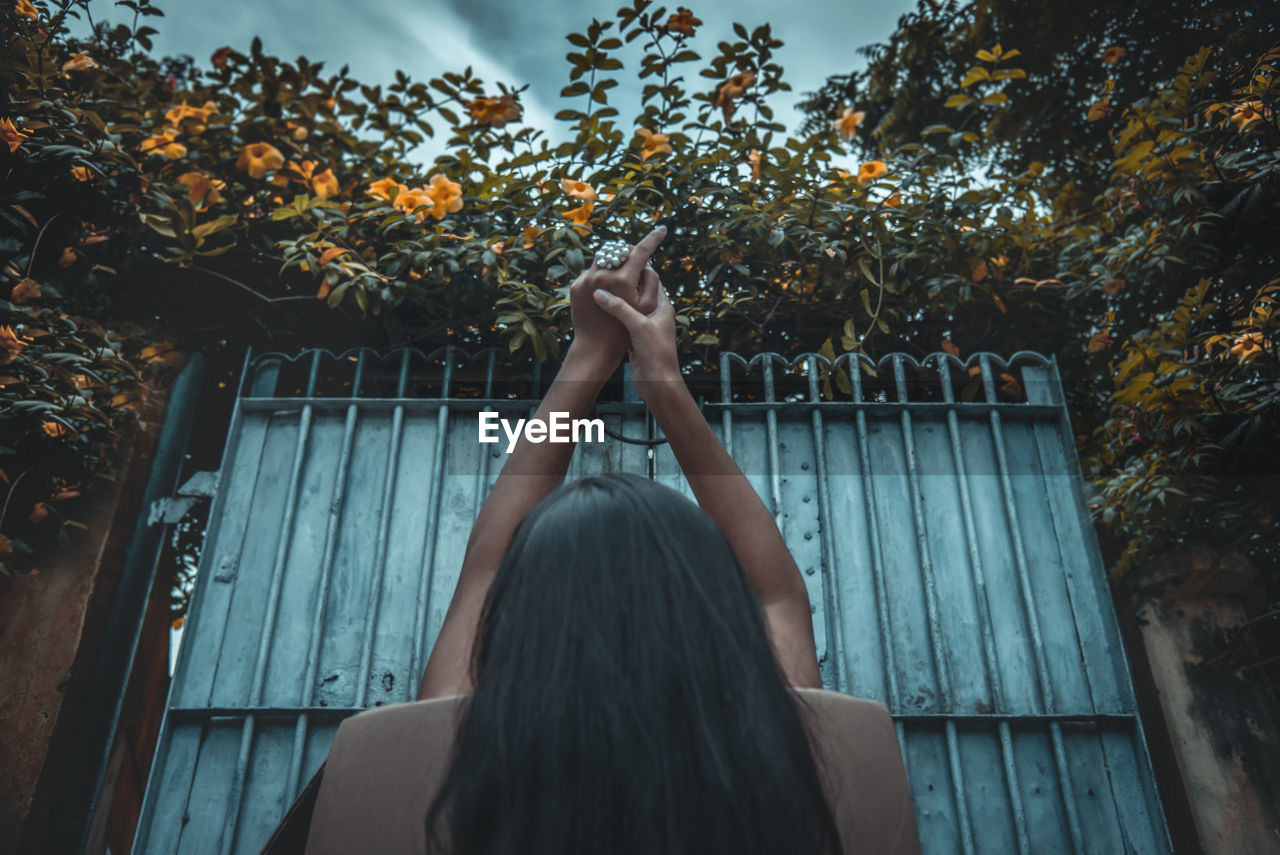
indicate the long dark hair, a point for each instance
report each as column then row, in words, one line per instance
column 626, row 696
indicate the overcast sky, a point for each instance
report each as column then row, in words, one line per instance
column 514, row 41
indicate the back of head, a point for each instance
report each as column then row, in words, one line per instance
column 627, row 698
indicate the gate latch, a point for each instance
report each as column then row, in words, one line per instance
column 173, row 508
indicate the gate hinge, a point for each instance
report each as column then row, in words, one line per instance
column 173, row 508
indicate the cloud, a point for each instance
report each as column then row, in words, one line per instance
column 515, row 42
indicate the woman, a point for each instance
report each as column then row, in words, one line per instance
column 619, row 670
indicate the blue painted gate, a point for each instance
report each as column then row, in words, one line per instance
column 950, row 560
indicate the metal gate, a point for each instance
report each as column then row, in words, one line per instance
column 946, row 544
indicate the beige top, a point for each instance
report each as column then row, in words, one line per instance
column 387, row 763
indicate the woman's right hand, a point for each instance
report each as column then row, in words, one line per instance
column 654, row 358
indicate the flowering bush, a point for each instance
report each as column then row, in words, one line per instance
column 875, row 229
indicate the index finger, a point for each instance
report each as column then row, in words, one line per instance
column 640, row 253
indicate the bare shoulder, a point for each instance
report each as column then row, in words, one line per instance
column 828, row 706
column 403, row 723
column 856, row 749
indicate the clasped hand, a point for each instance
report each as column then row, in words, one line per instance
column 626, row 311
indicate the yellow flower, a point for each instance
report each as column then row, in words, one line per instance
column 11, row 135
column 11, row 344
column 298, row 132
column 731, row 90
column 580, row 190
column 848, row 122
column 653, row 143
column 682, row 21
column 164, row 143
column 445, row 195
column 175, row 115
column 871, row 170
column 1247, row 347
column 324, row 184
column 258, row 158
column 82, row 173
column 382, row 188
column 893, row 201
column 579, row 216
column 494, row 111
column 1246, row 113
column 26, row 9
column 409, row 198
column 80, row 62
column 1113, row 54
column 1099, row 109
column 202, row 189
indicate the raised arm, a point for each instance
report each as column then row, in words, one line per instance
column 718, row 484
column 532, row 469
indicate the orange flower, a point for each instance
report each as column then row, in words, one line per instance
column 529, row 234
column 731, row 90
column 580, row 190
column 82, row 173
column 175, row 116
column 324, row 184
column 53, row 428
column 11, row 344
column 871, row 170
column 164, row 143
column 682, row 21
column 1247, row 347
column 298, row 132
column 80, row 62
column 202, row 189
column 893, row 201
column 258, row 158
column 653, row 143
column 25, row 291
column 1113, row 54
column 11, row 135
column 848, row 122
column 1246, row 113
column 445, row 195
column 580, row 216
column 1099, row 109
column 753, row 157
column 26, row 9
column 494, row 111
column 409, row 198
column 382, row 188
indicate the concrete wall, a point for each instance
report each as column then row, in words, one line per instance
column 1216, row 726
column 49, row 624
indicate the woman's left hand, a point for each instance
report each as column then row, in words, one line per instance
column 596, row 334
